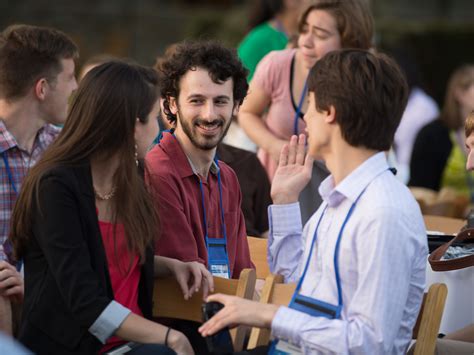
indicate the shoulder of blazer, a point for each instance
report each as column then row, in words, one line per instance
column 77, row 176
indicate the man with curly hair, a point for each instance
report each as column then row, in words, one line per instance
column 199, row 198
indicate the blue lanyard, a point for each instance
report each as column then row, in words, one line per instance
column 224, row 231
column 12, row 183
column 280, row 28
column 298, row 109
column 9, row 173
column 336, row 252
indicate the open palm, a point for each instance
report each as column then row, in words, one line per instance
column 293, row 172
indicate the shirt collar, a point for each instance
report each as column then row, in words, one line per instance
column 44, row 136
column 7, row 141
column 353, row 184
column 183, row 164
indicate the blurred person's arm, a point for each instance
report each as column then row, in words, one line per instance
column 251, row 120
column 465, row 334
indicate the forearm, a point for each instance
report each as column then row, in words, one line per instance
column 285, row 244
column 138, row 329
column 5, row 315
column 256, row 129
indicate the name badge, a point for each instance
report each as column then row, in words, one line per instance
column 284, row 348
column 220, row 270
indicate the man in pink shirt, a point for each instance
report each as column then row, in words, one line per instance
column 199, row 197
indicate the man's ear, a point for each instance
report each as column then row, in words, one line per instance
column 235, row 109
column 173, row 105
column 331, row 115
column 41, row 89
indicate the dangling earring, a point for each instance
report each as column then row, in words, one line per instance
column 136, row 154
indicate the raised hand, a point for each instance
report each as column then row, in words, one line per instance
column 293, row 172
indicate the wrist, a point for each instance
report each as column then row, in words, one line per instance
column 284, row 198
column 268, row 315
column 174, row 338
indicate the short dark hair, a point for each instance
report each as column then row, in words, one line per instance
column 368, row 91
column 222, row 64
column 29, row 53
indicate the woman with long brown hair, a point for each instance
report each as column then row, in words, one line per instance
column 84, row 225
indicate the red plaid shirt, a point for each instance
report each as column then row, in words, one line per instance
column 19, row 161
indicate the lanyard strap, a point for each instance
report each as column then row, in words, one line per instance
column 298, row 109
column 19, row 263
column 221, row 205
column 9, row 173
column 336, row 251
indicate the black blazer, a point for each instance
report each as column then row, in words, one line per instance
column 67, row 282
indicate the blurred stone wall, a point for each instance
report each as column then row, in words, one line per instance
column 437, row 33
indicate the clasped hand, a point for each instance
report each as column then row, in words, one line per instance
column 191, row 277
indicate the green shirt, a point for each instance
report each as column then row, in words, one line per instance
column 455, row 174
column 258, row 43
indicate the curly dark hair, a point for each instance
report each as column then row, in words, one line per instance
column 222, row 63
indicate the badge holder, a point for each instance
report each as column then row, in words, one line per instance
column 217, row 255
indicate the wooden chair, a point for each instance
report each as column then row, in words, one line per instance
column 425, row 331
column 276, row 292
column 446, row 225
column 429, row 319
column 258, row 254
column 168, row 301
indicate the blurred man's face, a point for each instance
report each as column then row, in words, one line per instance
column 470, row 151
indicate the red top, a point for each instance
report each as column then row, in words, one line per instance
column 180, row 207
column 123, row 275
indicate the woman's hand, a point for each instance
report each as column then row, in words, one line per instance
column 192, row 276
column 11, row 282
column 179, row 343
column 238, row 311
column 293, row 173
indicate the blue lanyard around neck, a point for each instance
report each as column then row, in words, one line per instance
column 9, row 173
column 221, row 205
column 300, row 106
column 12, row 183
column 336, row 252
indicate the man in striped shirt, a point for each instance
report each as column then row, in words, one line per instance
column 36, row 79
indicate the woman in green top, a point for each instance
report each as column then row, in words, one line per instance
column 270, row 25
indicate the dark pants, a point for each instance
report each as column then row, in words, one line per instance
column 149, row 349
column 260, row 350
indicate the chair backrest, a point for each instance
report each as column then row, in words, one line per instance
column 258, row 254
column 276, row 292
column 168, row 300
column 446, row 225
column 429, row 319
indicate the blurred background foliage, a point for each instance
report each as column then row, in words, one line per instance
column 437, row 34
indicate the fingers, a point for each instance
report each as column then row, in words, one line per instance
column 283, row 161
column 14, row 291
column 4, row 265
column 183, row 283
column 197, row 277
column 301, row 150
column 207, row 282
column 292, row 150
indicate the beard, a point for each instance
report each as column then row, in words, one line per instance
column 202, row 141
